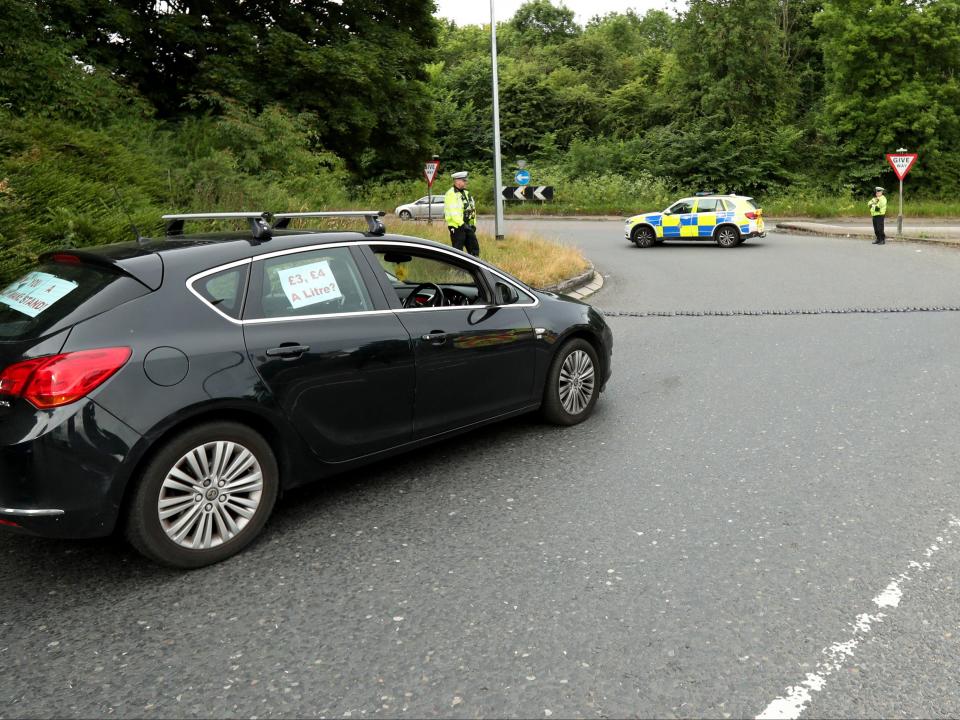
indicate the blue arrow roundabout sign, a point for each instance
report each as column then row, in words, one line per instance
column 522, row 177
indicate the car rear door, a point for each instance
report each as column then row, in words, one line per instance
column 436, row 207
column 707, row 216
column 338, row 361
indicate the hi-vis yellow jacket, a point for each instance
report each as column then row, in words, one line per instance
column 459, row 208
column 878, row 205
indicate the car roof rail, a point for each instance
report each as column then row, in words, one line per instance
column 704, row 193
column 374, row 223
column 259, row 225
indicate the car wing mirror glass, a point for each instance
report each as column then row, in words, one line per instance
column 506, row 294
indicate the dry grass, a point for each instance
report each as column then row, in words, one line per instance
column 538, row 262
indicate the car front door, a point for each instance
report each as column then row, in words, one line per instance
column 474, row 356
column 678, row 219
column 338, row 362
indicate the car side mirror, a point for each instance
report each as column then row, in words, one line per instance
column 506, row 294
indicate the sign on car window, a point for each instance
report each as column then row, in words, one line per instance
column 309, row 284
column 35, row 292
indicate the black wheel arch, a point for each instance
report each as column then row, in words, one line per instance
column 639, row 225
column 289, row 457
column 733, row 226
column 583, row 332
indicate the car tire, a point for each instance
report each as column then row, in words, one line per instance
column 179, row 514
column 643, row 236
column 573, row 384
column 727, row 236
column 405, row 215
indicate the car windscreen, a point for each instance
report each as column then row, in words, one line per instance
column 54, row 295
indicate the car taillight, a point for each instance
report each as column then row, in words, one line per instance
column 66, row 258
column 751, row 215
column 14, row 379
column 56, row 380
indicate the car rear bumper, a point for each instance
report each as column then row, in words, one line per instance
column 66, row 481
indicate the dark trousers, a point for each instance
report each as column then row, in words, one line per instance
column 878, row 228
column 466, row 235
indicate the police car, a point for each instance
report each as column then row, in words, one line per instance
column 726, row 219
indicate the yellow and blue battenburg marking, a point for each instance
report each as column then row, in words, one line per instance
column 690, row 224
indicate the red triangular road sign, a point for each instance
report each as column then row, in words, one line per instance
column 901, row 163
column 430, row 169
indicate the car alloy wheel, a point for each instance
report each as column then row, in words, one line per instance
column 405, row 215
column 210, row 495
column 643, row 236
column 571, row 390
column 727, row 236
column 577, row 379
column 204, row 495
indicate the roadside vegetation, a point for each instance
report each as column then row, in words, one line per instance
column 112, row 113
column 540, row 263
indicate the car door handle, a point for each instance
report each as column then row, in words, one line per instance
column 291, row 350
column 437, row 337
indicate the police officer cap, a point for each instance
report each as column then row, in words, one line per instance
column 879, row 189
column 462, row 175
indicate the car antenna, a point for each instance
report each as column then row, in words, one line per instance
column 136, row 231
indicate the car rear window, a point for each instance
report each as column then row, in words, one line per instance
column 224, row 290
column 55, row 295
column 751, row 205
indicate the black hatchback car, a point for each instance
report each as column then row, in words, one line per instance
column 175, row 386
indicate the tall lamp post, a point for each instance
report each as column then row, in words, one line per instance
column 497, row 182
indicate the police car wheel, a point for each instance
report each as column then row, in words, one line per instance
column 643, row 236
column 405, row 215
column 726, row 236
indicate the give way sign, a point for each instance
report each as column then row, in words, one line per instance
column 430, row 169
column 901, row 163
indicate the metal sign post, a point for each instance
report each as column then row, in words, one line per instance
column 900, row 214
column 430, row 170
column 901, row 162
column 497, row 180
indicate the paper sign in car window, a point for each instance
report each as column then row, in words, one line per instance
column 309, row 284
column 35, row 292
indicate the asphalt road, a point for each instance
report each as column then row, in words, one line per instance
column 761, row 508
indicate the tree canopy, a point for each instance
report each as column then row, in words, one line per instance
column 751, row 95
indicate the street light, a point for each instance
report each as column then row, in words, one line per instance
column 497, row 183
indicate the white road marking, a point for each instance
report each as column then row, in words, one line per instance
column 794, row 701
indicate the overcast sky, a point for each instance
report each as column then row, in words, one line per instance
column 477, row 12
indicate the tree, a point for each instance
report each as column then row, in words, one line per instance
column 542, row 23
column 892, row 80
column 356, row 66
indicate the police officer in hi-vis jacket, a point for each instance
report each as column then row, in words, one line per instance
column 878, row 209
column 460, row 212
